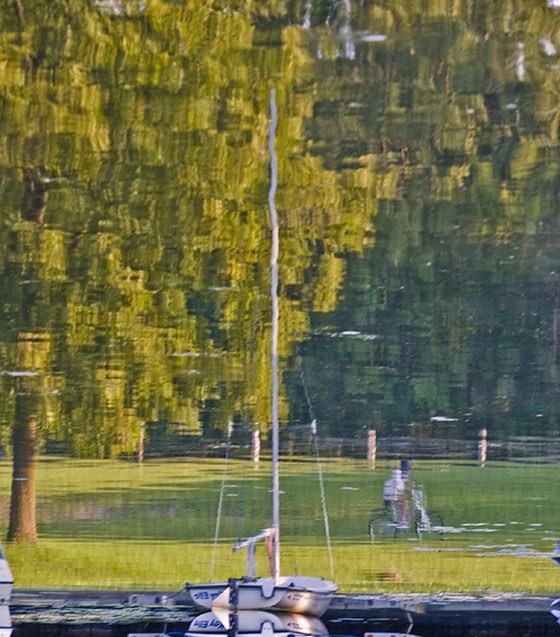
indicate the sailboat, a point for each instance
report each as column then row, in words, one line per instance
column 6, row 579
column 556, row 554
column 297, row 593
column 555, row 605
column 5, row 621
column 256, row 623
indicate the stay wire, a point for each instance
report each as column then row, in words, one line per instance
column 305, row 390
column 251, row 377
column 220, row 503
column 319, row 467
column 251, row 384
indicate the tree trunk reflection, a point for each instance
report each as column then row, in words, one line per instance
column 23, row 526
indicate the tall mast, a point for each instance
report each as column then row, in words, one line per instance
column 275, row 558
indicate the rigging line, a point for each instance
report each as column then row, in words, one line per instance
column 323, row 497
column 306, row 391
column 319, row 465
column 241, row 499
column 247, row 438
column 220, row 503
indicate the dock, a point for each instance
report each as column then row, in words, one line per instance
column 97, row 613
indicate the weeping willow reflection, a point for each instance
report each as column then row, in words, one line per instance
column 419, row 176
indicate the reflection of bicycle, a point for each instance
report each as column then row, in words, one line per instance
column 397, row 518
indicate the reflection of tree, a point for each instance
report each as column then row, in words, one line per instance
column 147, row 272
column 30, row 356
column 22, row 526
column 35, row 196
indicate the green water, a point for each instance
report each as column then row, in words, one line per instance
column 418, row 203
column 113, row 524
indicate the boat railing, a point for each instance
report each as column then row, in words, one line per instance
column 266, row 534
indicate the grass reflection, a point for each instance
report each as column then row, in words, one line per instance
column 106, row 523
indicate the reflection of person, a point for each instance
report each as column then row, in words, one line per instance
column 556, row 554
column 406, row 466
column 393, row 489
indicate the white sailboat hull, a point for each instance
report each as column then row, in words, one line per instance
column 258, row 624
column 5, row 621
column 5, row 591
column 555, row 609
column 6, row 580
column 298, row 594
column 389, row 635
